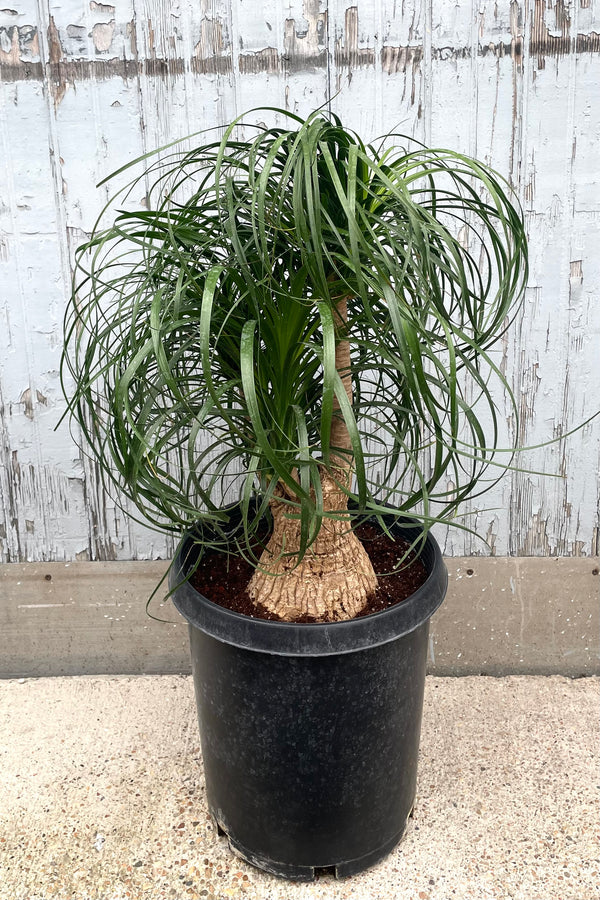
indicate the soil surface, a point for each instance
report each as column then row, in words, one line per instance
column 224, row 578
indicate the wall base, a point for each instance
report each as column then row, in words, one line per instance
column 501, row 616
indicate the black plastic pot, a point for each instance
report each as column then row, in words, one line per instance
column 310, row 733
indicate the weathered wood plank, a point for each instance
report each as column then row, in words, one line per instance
column 553, row 366
column 84, row 86
column 40, row 487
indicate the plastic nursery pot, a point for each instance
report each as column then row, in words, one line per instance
column 310, row 732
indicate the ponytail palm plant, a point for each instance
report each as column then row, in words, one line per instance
column 294, row 320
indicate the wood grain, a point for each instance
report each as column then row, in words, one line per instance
column 85, row 86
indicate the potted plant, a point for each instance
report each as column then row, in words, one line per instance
column 289, row 340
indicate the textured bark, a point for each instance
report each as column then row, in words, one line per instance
column 335, row 577
column 340, row 438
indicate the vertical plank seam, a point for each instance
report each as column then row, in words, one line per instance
column 330, row 41
column 377, row 50
column 9, row 501
column 138, row 82
column 54, row 154
column 427, row 70
column 235, row 58
column 569, row 217
column 187, row 53
column 515, row 522
column 470, row 507
column 474, row 79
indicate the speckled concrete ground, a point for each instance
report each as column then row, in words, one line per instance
column 102, row 797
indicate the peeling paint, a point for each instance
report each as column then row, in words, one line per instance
column 102, row 35
column 19, row 46
column 577, row 270
column 55, row 49
column 267, row 60
column 490, row 537
column 102, row 8
column 553, row 38
column 212, row 54
column 76, row 31
column 306, row 46
column 347, row 49
column 58, row 82
column 399, row 59
column 27, row 401
column 118, row 82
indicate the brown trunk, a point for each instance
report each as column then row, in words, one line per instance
column 340, row 439
column 335, row 577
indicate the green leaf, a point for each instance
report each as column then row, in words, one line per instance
column 199, row 360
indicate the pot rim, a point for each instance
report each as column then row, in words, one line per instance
column 312, row 638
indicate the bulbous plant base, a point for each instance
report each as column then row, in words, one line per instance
column 330, row 585
column 333, row 580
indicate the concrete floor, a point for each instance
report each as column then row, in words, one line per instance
column 102, row 796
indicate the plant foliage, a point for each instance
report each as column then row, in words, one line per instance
column 201, row 332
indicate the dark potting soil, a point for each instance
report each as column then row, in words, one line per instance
column 224, row 578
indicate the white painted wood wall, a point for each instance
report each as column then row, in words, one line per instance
column 85, row 86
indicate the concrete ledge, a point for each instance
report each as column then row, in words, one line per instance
column 87, row 618
column 521, row 616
